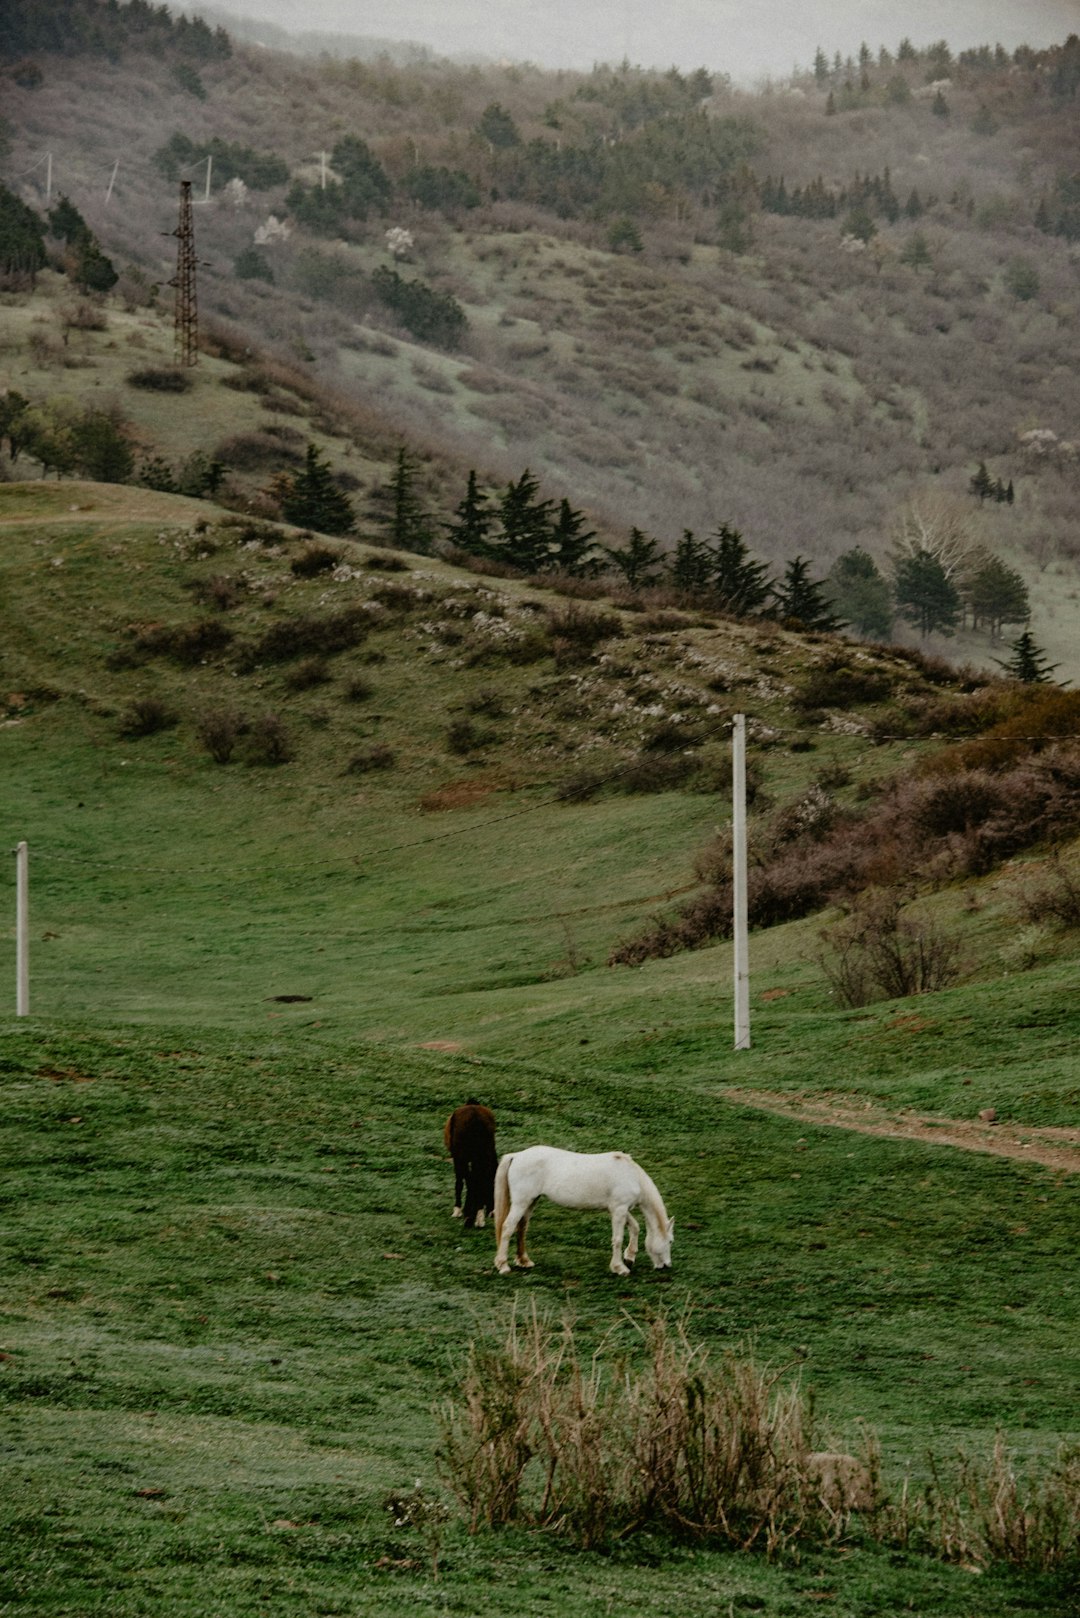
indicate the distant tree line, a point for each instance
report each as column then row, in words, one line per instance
column 87, row 27
column 23, row 243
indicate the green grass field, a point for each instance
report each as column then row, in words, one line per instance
column 232, row 1296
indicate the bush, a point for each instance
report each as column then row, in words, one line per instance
column 267, row 741
column 308, row 633
column 221, row 590
column 379, row 757
column 186, row 644
column 219, row 730
column 312, row 672
column 357, row 689
column 463, row 736
column 877, row 953
column 838, row 685
column 162, row 379
column 146, row 717
column 313, row 560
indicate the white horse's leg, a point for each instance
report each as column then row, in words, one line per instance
column 631, row 1246
column 619, row 1216
column 524, row 1262
column 479, row 1220
column 516, row 1220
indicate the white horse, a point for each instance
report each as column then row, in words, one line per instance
column 608, row 1180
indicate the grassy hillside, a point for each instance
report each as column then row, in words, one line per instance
column 744, row 366
column 326, row 836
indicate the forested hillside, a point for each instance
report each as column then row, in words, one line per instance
column 833, row 318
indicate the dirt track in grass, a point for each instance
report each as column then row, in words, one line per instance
column 1052, row 1146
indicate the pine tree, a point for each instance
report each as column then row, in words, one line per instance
column 573, row 549
column 1027, row 662
column 801, row 602
column 981, row 484
column 313, row 500
column 639, row 562
column 526, row 525
column 997, row 595
column 690, row 567
column 861, row 594
column 472, row 522
column 740, row 586
column 925, row 595
column 397, row 506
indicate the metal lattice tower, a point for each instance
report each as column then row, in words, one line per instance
column 187, row 303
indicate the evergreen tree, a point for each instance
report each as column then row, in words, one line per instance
column 526, row 525
column 981, row 483
column 573, row 549
column 13, row 408
column 92, row 272
column 313, row 500
column 925, row 595
column 472, row 521
column 861, row 594
column 799, row 601
column 740, row 585
column 399, row 509
column 102, row 452
column 498, row 127
column 690, row 567
column 66, row 222
column 639, row 562
column 22, row 237
column 997, row 595
column 1027, row 661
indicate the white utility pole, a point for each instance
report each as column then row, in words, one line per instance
column 738, row 860
column 322, row 171
column 209, row 166
column 48, row 177
column 112, row 180
column 22, row 931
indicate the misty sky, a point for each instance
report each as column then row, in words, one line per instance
column 746, row 38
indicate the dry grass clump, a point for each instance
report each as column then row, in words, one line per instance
column 601, row 1448
column 379, row 757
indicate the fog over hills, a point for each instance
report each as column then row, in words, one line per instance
column 746, row 41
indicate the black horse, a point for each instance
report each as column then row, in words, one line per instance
column 470, row 1139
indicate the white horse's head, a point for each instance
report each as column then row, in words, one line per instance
column 658, row 1242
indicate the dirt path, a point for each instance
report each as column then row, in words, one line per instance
column 1054, row 1148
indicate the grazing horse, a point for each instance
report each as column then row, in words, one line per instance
column 470, row 1139
column 608, row 1180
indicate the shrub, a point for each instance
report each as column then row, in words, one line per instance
column 186, row 644
column 162, row 379
column 220, row 590
column 146, row 717
column 386, row 564
column 878, row 953
column 313, row 560
column 463, row 736
column 379, row 757
column 581, row 630
column 267, row 741
column 656, row 772
column 250, row 452
column 838, row 685
column 219, row 730
column 1053, row 895
column 308, row 633
column 357, row 689
column 312, row 672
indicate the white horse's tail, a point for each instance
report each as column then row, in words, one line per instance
column 502, row 1194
